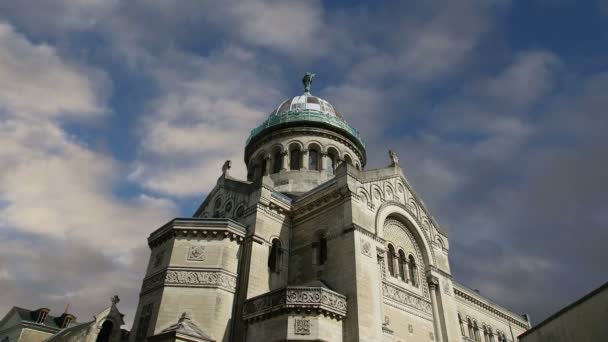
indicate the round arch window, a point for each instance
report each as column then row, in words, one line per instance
column 228, row 207
column 240, row 211
column 218, row 203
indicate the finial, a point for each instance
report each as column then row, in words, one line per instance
column 115, row 299
column 307, row 80
column 394, row 158
column 226, row 167
column 185, row 317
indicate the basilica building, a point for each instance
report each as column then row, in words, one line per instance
column 312, row 246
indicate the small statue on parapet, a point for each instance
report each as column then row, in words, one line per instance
column 394, row 158
column 226, row 167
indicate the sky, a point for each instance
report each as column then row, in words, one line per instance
column 116, row 116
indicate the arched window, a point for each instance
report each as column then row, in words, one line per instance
column 462, row 332
column 313, row 159
column 476, row 330
column 348, row 160
column 391, row 260
column 471, row 331
column 106, row 332
column 263, row 168
column 275, row 256
column 413, row 270
column 277, row 162
column 402, row 265
column 294, row 159
column 331, row 162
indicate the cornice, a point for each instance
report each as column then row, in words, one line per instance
column 464, row 294
column 203, row 227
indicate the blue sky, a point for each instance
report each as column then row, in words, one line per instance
column 116, row 116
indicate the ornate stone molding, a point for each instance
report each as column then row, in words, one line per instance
column 400, row 296
column 190, row 278
column 297, row 299
column 193, row 227
column 363, row 231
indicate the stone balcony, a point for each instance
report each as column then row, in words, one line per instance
column 296, row 299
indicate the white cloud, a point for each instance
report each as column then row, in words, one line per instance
column 35, row 81
column 64, row 234
column 206, row 110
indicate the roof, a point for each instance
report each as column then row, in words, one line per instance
column 310, row 110
column 30, row 316
column 566, row 309
column 185, row 326
column 71, row 332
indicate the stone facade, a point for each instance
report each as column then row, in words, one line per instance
column 312, row 247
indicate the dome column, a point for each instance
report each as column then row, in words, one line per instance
column 285, row 165
column 323, row 161
column 304, row 164
column 268, row 166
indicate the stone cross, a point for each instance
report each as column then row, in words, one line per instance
column 115, row 299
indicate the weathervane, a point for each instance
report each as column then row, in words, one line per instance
column 307, row 80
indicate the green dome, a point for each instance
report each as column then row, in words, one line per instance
column 307, row 110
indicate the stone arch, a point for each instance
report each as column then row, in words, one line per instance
column 314, row 144
column 389, row 191
column 348, row 159
column 416, row 210
column 376, row 192
column 364, row 194
column 297, row 142
column 405, row 215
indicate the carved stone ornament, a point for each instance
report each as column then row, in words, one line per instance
column 446, row 288
column 191, row 279
column 366, row 248
column 196, row 253
column 402, row 297
column 302, row 327
column 296, row 298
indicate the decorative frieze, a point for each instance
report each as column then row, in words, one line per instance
column 402, row 297
column 296, row 298
column 207, row 278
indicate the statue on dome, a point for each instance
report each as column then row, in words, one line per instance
column 307, row 80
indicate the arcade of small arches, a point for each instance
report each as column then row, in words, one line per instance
column 471, row 331
column 314, row 156
column 402, row 265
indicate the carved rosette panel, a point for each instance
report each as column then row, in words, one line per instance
column 216, row 279
column 302, row 327
column 296, row 298
column 366, row 248
column 196, row 253
column 402, row 297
